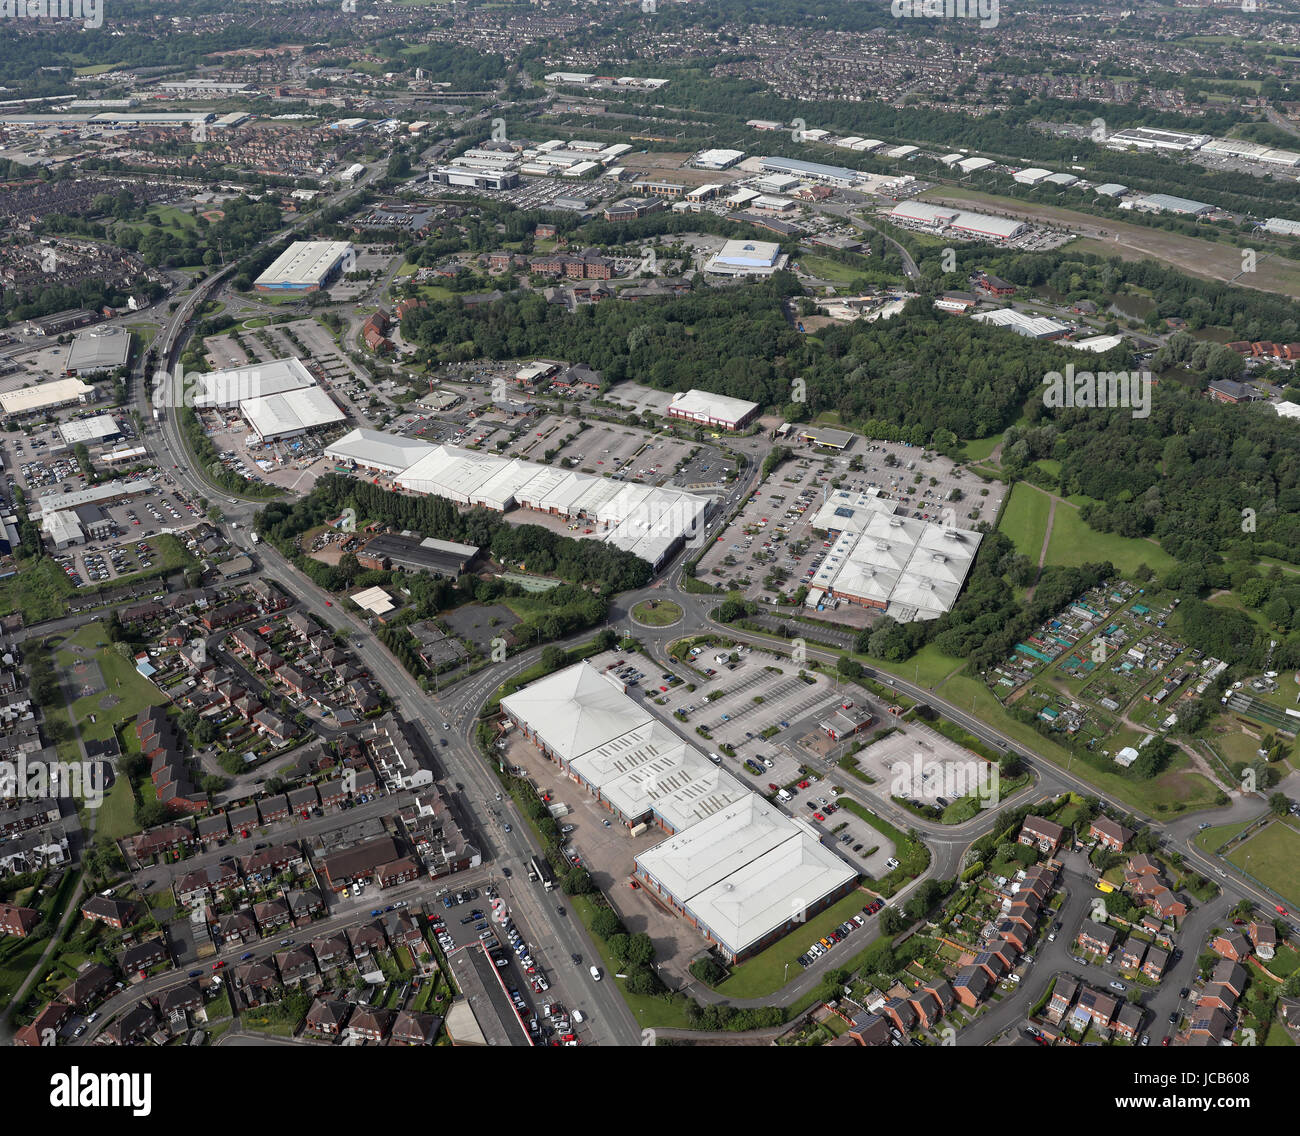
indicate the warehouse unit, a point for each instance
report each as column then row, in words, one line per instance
column 960, row 220
column 303, row 267
column 1167, row 203
column 1148, row 138
column 290, row 414
column 717, row 159
column 712, row 409
column 1031, row 176
column 1033, row 327
column 1251, row 152
column 835, row 175
column 411, row 554
column 93, row 431
column 745, row 876
column 1282, row 227
column 974, row 165
column 45, row 396
column 226, row 389
column 1110, row 189
column 376, row 451
column 99, row 350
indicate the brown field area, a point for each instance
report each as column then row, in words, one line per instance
column 1192, row 255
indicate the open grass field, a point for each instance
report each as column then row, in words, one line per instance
column 1074, row 543
column 1273, row 856
column 769, row 970
column 117, row 814
column 1024, row 519
column 128, row 691
column 1194, row 255
column 824, row 269
column 978, row 449
column 39, row 591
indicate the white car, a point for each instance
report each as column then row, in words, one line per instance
column 595, row 974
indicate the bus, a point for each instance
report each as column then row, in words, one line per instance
column 543, row 872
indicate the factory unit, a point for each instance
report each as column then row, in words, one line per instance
column 1033, row 327
column 747, row 258
column 303, row 267
column 717, row 159
column 745, row 876
column 835, row 175
column 99, row 350
column 1251, row 152
column 752, row 873
column 1167, row 203
column 1282, row 227
column 288, row 415
column 408, row 552
column 1147, row 138
column 45, row 396
column 225, row 389
column 960, row 220
column 92, row 431
column 909, row 568
column 712, row 409
column 648, row 521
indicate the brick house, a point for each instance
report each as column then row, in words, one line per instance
column 18, row 921
column 116, row 913
column 45, row 1024
column 414, row 1028
column 869, row 1029
column 1109, row 834
column 328, row 1016
column 1230, row 974
column 1131, row 954
column 971, row 985
column 1264, row 938
column 143, row 956
column 1043, row 834
column 1096, row 938
column 1153, row 966
column 1231, row 945
column 900, row 1012
column 371, row 1024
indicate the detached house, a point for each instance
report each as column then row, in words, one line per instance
column 1096, row 938
column 116, row 913
column 1231, row 945
column 1109, row 834
column 1264, row 938
column 328, row 1016
column 1043, row 834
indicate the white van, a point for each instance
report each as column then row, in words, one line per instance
column 577, row 1017
column 715, row 758
column 783, row 795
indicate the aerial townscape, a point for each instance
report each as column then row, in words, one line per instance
column 660, row 523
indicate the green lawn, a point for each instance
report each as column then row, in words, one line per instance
column 122, row 681
column 117, row 814
column 39, row 591
column 1074, row 543
column 657, row 613
column 1273, row 857
column 1024, row 520
column 767, row 971
column 978, row 449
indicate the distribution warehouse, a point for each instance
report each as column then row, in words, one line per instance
column 278, row 398
column 909, row 568
column 645, row 520
column 303, row 267
column 712, row 409
column 960, row 220
column 737, row 868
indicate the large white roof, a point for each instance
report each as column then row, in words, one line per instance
column 304, row 264
column 745, row 871
column 27, row 399
column 291, row 412
column 575, row 710
column 233, row 386
column 702, row 404
column 378, row 450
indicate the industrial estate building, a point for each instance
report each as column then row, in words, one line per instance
column 303, row 267
column 747, row 258
column 92, row 431
column 45, row 396
column 1167, row 203
column 1148, row 138
column 103, row 349
column 278, row 398
column 959, row 220
column 648, row 521
column 908, row 568
column 712, row 409
column 738, row 869
column 1032, row 327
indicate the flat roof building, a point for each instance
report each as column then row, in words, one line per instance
column 745, row 875
column 712, row 409
column 224, row 389
column 101, row 349
column 377, row 451
column 93, row 431
column 289, row 414
column 303, row 267
column 836, row 175
column 1168, row 203
column 45, row 396
column 1033, row 327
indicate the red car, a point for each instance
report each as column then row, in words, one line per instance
column 328, row 603
column 1164, row 1041
column 1279, row 909
column 803, row 784
column 774, row 788
column 569, row 1037
column 218, row 965
column 818, row 816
